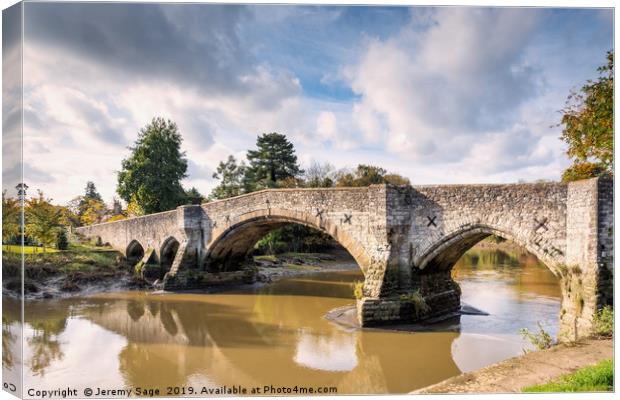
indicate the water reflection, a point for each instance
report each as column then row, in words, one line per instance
column 276, row 335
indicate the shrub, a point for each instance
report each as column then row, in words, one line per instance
column 419, row 304
column 62, row 243
column 541, row 339
column 604, row 321
column 358, row 289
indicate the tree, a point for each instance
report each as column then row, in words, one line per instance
column 42, row 220
column 319, row 175
column 62, row 243
column 153, row 172
column 274, row 160
column 133, row 208
column 588, row 126
column 91, row 192
column 396, row 179
column 366, row 175
column 193, row 196
column 231, row 176
column 93, row 212
column 11, row 210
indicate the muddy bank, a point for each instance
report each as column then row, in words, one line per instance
column 272, row 268
column 69, row 273
column 512, row 375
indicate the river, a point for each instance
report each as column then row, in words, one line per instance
column 276, row 335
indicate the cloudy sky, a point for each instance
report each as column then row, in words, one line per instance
column 441, row 95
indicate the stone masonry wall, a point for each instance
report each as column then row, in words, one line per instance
column 150, row 231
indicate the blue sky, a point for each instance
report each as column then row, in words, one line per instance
column 441, row 95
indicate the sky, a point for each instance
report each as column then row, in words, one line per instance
column 439, row 95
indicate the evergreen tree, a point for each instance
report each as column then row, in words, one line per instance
column 231, row 176
column 153, row 172
column 62, row 243
column 91, row 192
column 273, row 161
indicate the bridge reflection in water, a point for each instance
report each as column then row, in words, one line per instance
column 271, row 336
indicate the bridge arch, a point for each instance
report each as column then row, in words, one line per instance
column 230, row 245
column 167, row 252
column 134, row 251
column 449, row 248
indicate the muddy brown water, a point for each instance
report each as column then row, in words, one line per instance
column 276, row 335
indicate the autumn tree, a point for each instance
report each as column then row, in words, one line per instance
column 42, row 220
column 152, row 174
column 366, row 175
column 11, row 210
column 588, row 121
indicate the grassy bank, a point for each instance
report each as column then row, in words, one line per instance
column 14, row 249
column 596, row 378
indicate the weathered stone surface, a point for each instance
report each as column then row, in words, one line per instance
column 405, row 239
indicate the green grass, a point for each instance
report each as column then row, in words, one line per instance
column 27, row 249
column 596, row 378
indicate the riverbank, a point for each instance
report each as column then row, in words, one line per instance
column 535, row 368
column 79, row 271
column 89, row 270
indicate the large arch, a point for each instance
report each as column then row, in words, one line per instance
column 134, row 252
column 449, row 248
column 230, row 245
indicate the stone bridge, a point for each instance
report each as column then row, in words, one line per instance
column 405, row 239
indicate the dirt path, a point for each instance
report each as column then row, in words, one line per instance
column 530, row 369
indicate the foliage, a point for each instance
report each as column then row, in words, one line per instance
column 134, row 209
column 395, row 179
column 231, row 175
column 366, row 175
column 92, row 211
column 419, row 304
column 358, row 289
column 293, row 238
column 541, row 340
column 152, row 174
column 90, row 192
column 274, row 160
column 582, row 170
column 595, row 378
column 604, row 321
column 11, row 211
column 588, row 124
column 42, row 219
column 62, row 242
column 117, row 217
column 319, row 175
column 193, row 196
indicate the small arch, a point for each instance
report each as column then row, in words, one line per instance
column 168, row 252
column 134, row 252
